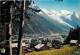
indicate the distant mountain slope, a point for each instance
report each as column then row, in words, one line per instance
column 63, row 19
column 48, row 22
column 38, row 25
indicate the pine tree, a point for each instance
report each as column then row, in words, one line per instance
column 25, row 6
column 20, row 31
column 6, row 17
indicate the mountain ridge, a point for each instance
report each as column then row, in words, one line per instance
column 48, row 22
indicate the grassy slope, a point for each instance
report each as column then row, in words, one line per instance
column 65, row 50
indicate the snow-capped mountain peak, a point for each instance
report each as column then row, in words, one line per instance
column 65, row 12
column 70, row 19
column 34, row 6
column 76, row 14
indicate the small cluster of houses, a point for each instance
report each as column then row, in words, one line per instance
column 26, row 44
column 42, row 44
column 37, row 47
column 30, row 44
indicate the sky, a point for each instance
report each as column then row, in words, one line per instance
column 69, row 5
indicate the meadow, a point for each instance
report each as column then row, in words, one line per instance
column 65, row 50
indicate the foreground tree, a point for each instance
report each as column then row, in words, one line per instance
column 6, row 19
column 21, row 28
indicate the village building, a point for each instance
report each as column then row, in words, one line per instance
column 73, row 42
column 15, row 45
column 49, row 44
column 74, row 34
column 27, row 45
column 41, row 47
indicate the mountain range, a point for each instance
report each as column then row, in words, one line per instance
column 48, row 22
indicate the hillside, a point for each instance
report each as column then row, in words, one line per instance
column 63, row 51
column 48, row 22
column 38, row 25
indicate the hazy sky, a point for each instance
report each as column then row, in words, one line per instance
column 70, row 5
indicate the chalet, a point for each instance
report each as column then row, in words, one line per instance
column 45, row 47
column 74, row 34
column 41, row 47
column 73, row 42
column 49, row 44
column 27, row 45
column 16, row 45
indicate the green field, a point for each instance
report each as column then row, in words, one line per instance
column 65, row 50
